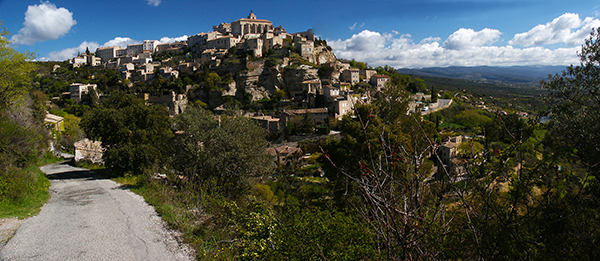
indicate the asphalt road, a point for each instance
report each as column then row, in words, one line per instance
column 92, row 218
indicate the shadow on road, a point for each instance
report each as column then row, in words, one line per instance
column 74, row 174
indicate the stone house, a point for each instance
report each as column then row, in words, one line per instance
column 78, row 90
column 305, row 49
column 379, row 81
column 223, row 42
column 449, row 149
column 55, row 122
column 168, row 72
column 255, row 45
column 316, row 115
column 175, row 103
column 107, row 53
column 133, row 49
column 351, row 75
column 367, row 74
column 269, row 123
column 87, row 150
column 286, row 153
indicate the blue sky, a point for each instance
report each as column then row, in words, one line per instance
column 402, row 34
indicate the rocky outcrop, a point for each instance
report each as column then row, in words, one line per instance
column 324, row 55
column 262, row 77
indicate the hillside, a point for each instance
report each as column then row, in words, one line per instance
column 514, row 75
column 500, row 94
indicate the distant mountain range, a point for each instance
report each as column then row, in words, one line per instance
column 519, row 75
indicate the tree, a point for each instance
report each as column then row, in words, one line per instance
column 22, row 137
column 380, row 168
column 574, row 96
column 135, row 135
column 227, row 151
column 15, row 72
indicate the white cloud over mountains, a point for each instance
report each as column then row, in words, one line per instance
column 44, row 22
column 467, row 47
column 568, row 29
column 467, row 38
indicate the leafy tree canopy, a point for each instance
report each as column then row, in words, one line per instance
column 15, row 71
column 228, row 151
column 575, row 103
column 135, row 135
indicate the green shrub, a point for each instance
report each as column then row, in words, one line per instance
column 24, row 191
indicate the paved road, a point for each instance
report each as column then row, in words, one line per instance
column 91, row 218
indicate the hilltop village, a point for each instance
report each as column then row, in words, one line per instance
column 288, row 83
column 275, row 64
column 256, row 143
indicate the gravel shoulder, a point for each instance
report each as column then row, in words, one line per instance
column 91, row 218
column 8, row 227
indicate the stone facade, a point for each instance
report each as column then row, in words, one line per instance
column 107, row 53
column 379, row 81
column 176, row 103
column 251, row 25
column 351, row 75
column 134, row 49
column 449, row 149
column 78, row 90
column 87, row 150
column 316, row 115
column 367, row 74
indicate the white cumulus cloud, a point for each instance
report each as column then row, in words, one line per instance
column 468, row 38
column 467, row 47
column 44, row 22
column 568, row 29
column 172, row 40
column 120, row 41
column 71, row 52
column 464, row 47
column 153, row 2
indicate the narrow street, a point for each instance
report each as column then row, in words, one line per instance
column 89, row 217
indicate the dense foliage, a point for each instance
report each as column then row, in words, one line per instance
column 135, row 135
column 224, row 151
column 23, row 138
column 516, row 190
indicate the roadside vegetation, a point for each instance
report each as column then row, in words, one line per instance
column 517, row 189
column 23, row 191
column 23, row 138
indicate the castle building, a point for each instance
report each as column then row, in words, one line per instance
column 251, row 25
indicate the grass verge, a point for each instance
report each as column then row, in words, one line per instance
column 24, row 191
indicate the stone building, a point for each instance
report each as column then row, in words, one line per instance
column 176, row 103
column 269, row 123
column 150, row 45
column 379, row 81
column 316, row 115
column 55, row 122
column 134, row 49
column 351, row 75
column 108, row 53
column 251, row 25
column 366, row 74
column 305, row 49
column 222, row 43
column 449, row 149
column 255, row 45
column 78, row 90
column 87, row 150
